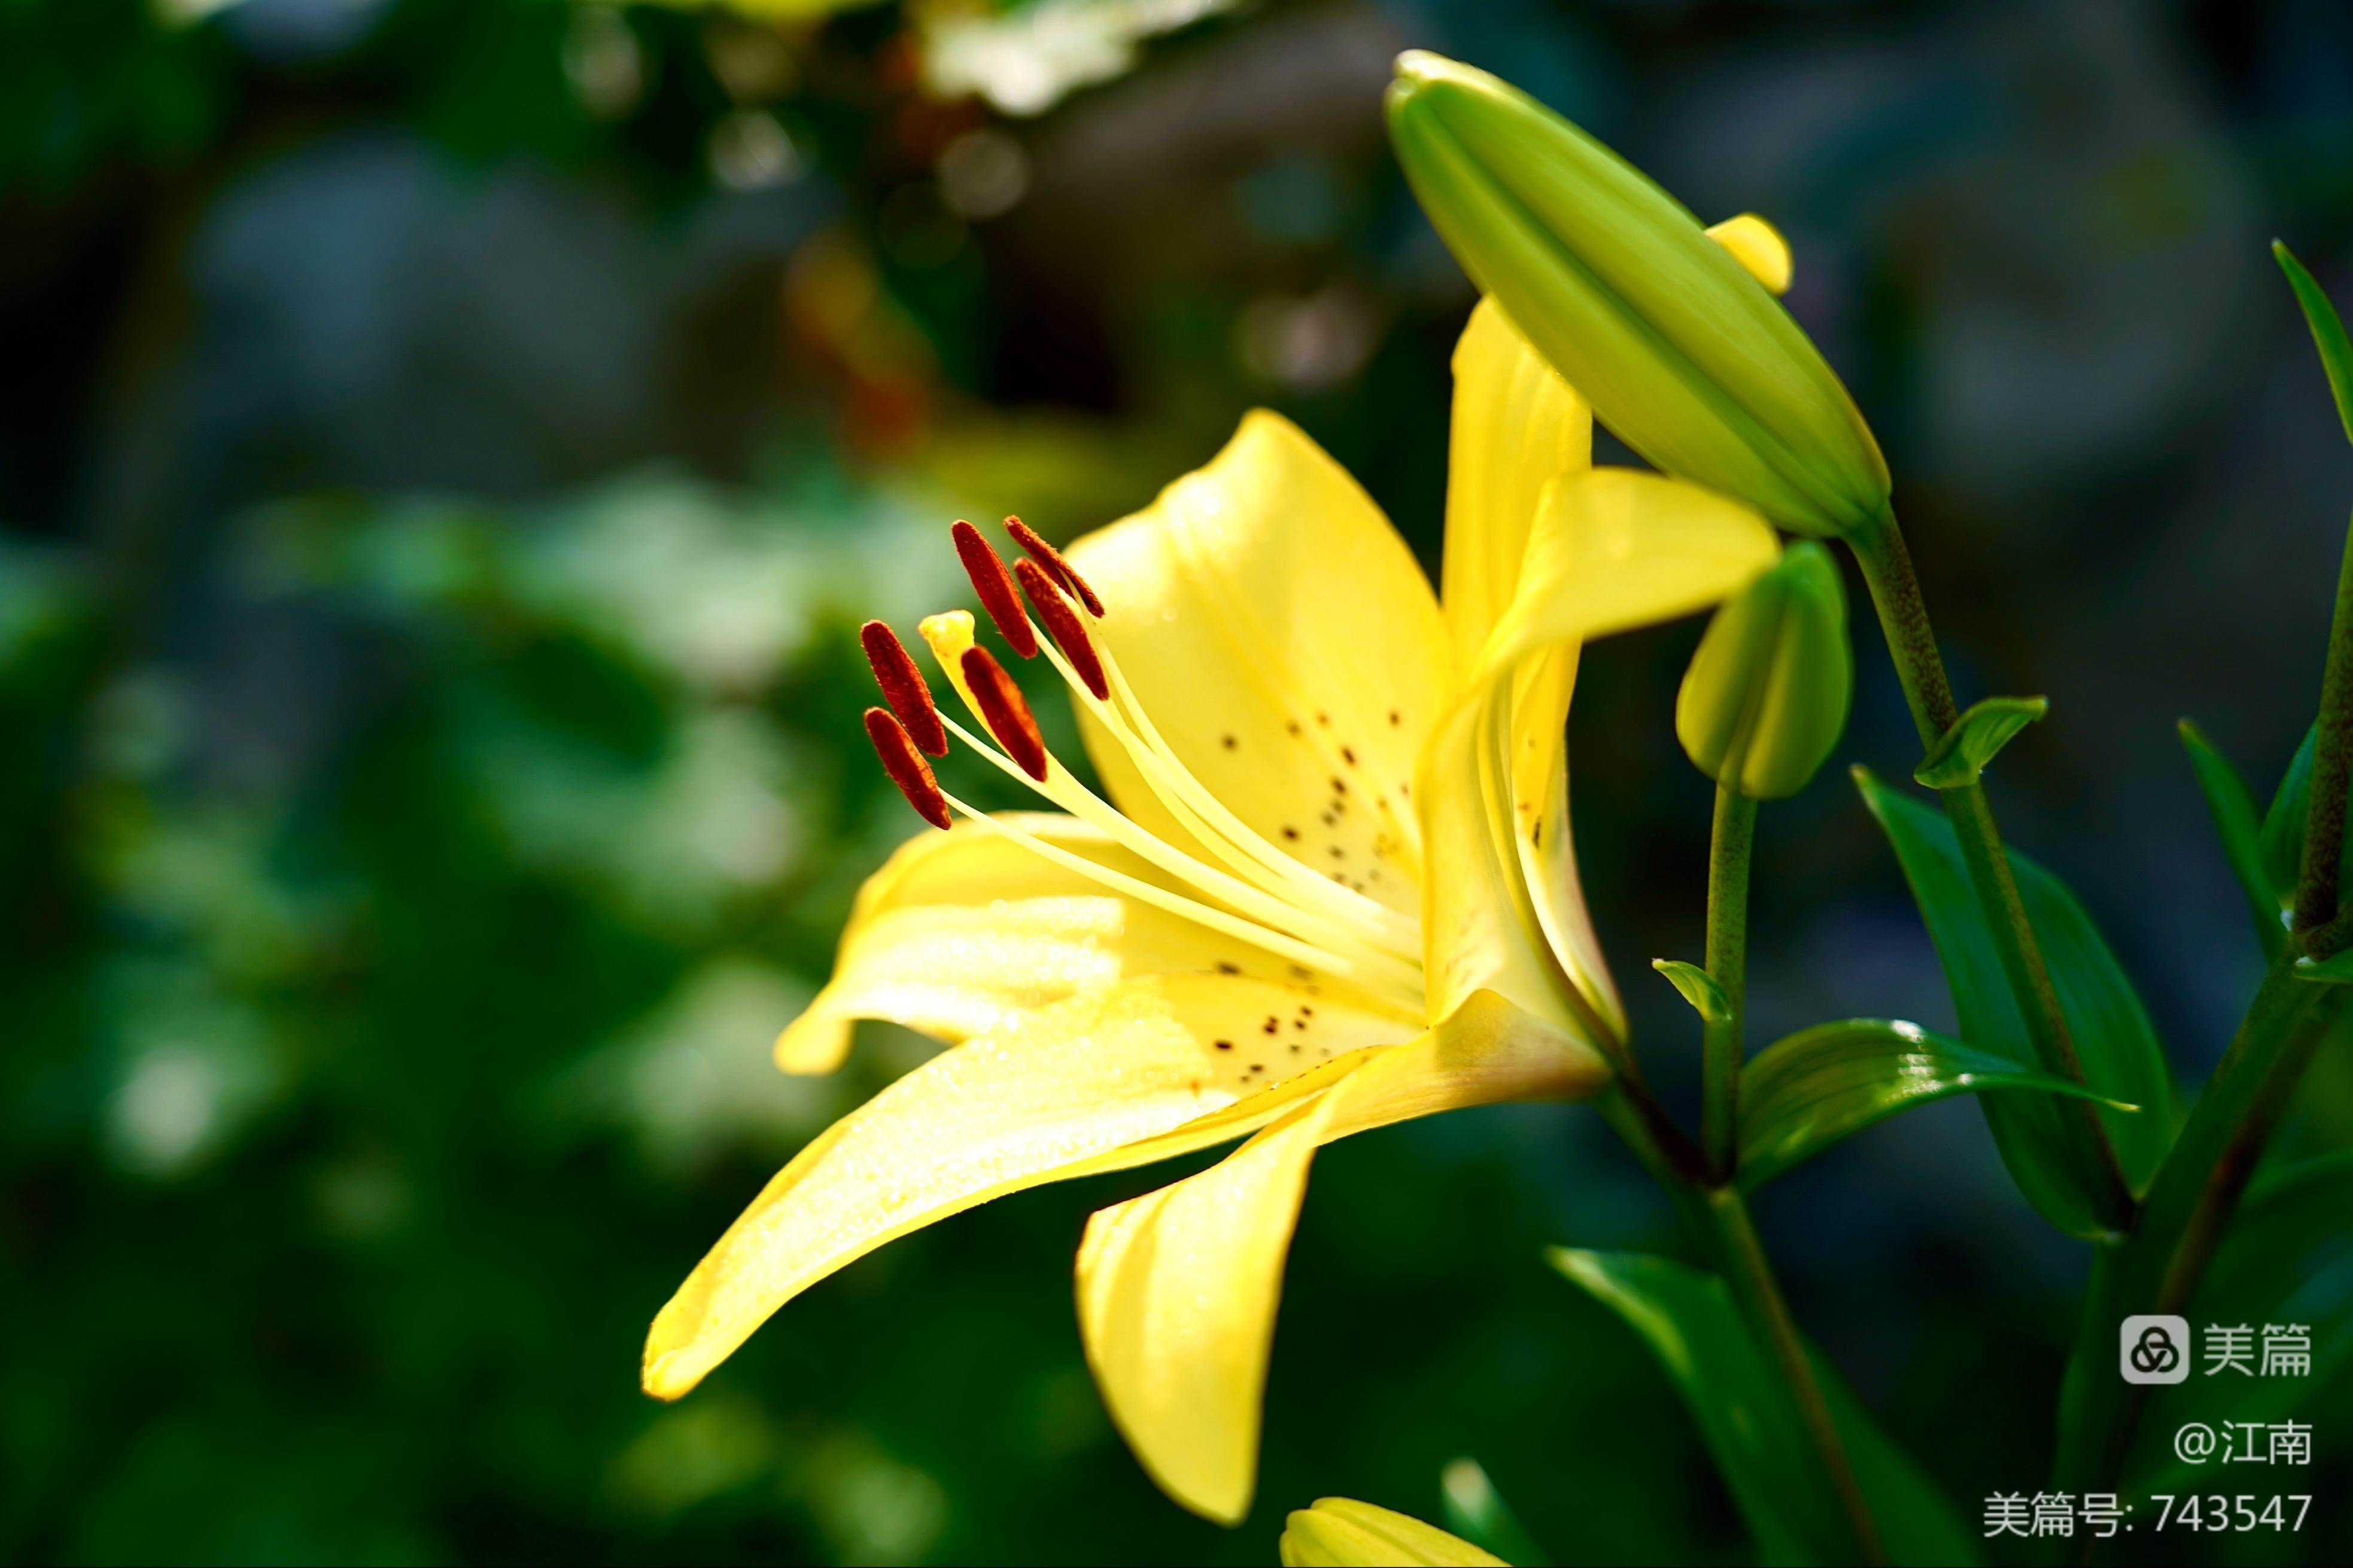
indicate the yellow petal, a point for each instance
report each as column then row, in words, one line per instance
column 1341, row 1533
column 960, row 929
column 1517, row 425
column 1177, row 1290
column 1176, row 1299
column 1282, row 637
column 1102, row 1078
column 1619, row 548
column 1758, row 247
column 1487, row 1052
column 1612, row 549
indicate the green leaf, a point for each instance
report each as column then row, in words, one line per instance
column 2328, row 333
column 1976, row 737
column 1804, row 1093
column 2283, row 839
column 2288, row 1259
column 1698, row 986
column 1477, row 1513
column 1752, row 1427
column 2111, row 1029
column 2233, row 806
column 2336, row 969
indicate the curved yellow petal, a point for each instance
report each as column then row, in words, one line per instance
column 1517, row 425
column 1177, row 1288
column 1287, row 645
column 1619, row 548
column 1488, row 1052
column 1612, row 549
column 1104, row 1078
column 1758, row 247
column 1341, row 1533
column 1177, row 1298
column 960, row 929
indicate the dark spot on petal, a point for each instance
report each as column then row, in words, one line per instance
column 1225, row 968
column 1338, row 853
column 1301, row 971
column 1339, row 786
column 1228, row 743
column 1323, row 717
column 1272, row 1024
column 1292, row 726
column 1225, row 1045
column 1291, row 834
column 1348, row 755
column 1395, row 718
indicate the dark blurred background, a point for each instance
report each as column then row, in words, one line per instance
column 446, row 446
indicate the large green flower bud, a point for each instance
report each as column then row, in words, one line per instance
column 1765, row 697
column 1682, row 352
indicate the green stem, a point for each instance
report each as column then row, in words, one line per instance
column 2195, row 1193
column 1700, row 1179
column 1753, row 1285
column 1729, row 849
column 1912, row 645
column 1721, row 1218
column 2332, row 765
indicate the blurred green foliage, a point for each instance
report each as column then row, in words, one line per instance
column 406, row 863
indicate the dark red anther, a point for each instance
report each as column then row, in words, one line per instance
column 995, row 586
column 1010, row 719
column 906, row 767
column 903, row 688
column 1046, row 555
column 1069, row 632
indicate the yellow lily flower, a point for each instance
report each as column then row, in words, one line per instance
column 1331, row 887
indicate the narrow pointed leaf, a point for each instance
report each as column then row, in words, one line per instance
column 1698, row 987
column 1752, row 1427
column 2242, row 833
column 2113, row 1039
column 1975, row 738
column 1804, row 1093
column 2282, row 836
column 2327, row 333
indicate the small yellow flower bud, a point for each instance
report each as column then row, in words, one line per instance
column 1766, row 695
column 1683, row 353
column 1342, row 1531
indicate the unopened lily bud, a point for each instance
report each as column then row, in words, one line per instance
column 1765, row 697
column 1343, row 1532
column 1682, row 350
